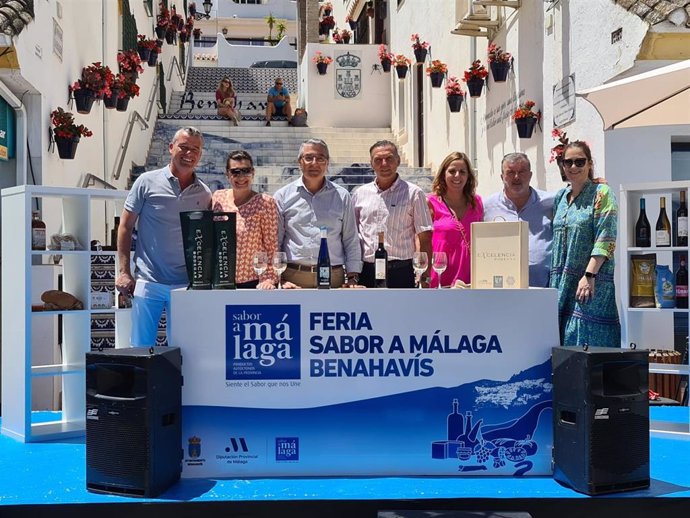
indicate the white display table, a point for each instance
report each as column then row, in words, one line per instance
column 366, row 382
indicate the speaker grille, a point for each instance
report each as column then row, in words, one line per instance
column 620, row 445
column 117, row 443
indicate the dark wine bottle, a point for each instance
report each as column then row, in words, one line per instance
column 323, row 265
column 663, row 225
column 380, row 264
column 38, row 232
column 682, row 284
column 682, row 224
column 456, row 423
column 643, row 231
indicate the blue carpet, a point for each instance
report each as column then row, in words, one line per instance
column 54, row 473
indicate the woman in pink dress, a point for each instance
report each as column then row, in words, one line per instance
column 257, row 221
column 454, row 207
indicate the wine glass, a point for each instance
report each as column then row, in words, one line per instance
column 420, row 262
column 260, row 262
column 439, row 263
column 279, row 263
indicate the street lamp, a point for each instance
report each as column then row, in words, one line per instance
column 208, row 5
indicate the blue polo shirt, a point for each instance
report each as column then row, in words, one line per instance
column 538, row 213
column 273, row 91
column 157, row 199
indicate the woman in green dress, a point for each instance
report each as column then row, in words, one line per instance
column 582, row 265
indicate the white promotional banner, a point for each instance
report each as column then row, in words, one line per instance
column 366, row 382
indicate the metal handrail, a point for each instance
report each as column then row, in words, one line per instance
column 175, row 64
column 135, row 116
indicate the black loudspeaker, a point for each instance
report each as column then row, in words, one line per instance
column 601, row 419
column 133, row 429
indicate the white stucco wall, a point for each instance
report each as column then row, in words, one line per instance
column 371, row 109
column 244, row 55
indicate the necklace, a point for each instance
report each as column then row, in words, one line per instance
column 457, row 209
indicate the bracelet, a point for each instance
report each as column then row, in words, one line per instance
column 590, row 275
column 353, row 278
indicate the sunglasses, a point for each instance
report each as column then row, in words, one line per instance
column 241, row 171
column 578, row 162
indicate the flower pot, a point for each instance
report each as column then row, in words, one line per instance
column 340, row 41
column 327, row 12
column 386, row 65
column 499, row 70
column 122, row 103
column 84, row 99
column 160, row 32
column 66, row 146
column 420, row 55
column 183, row 38
column 353, row 25
column 454, row 102
column 110, row 102
column 474, row 87
column 401, row 71
column 525, row 127
column 436, row 79
column 153, row 59
column 132, row 75
column 322, row 67
column 346, row 39
column 170, row 37
column 144, row 53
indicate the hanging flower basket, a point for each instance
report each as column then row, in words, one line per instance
column 352, row 24
column 170, row 36
column 420, row 48
column 110, row 101
column 455, row 102
column 67, row 147
column 160, row 32
column 153, row 58
column 144, row 53
column 322, row 61
column 322, row 68
column 122, row 104
column 499, row 71
column 401, row 71
column 84, row 99
column 474, row 87
column 385, row 58
column 525, row 127
column 420, row 55
column 436, row 79
column 386, row 65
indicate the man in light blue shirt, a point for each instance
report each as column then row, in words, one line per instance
column 520, row 202
column 306, row 205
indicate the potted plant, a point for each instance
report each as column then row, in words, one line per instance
column 327, row 8
column 351, row 22
column 153, row 57
column 345, row 35
column 192, row 9
column 129, row 63
column 162, row 20
column 562, row 140
column 436, row 71
column 326, row 24
column 420, row 48
column 128, row 89
column 337, row 38
column 385, row 57
column 94, row 84
column 401, row 64
column 196, row 33
column 454, row 94
column 499, row 62
column 66, row 133
column 322, row 62
column 475, row 77
column 525, row 119
column 144, row 46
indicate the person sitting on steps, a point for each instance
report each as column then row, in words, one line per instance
column 278, row 102
column 226, row 99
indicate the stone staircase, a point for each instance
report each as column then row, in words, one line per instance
column 273, row 148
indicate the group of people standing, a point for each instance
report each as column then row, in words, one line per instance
column 572, row 233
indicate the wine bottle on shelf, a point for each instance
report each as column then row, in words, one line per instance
column 682, row 284
column 323, row 265
column 643, row 230
column 38, row 232
column 663, row 225
column 380, row 264
column 682, row 224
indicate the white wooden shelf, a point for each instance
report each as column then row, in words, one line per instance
column 649, row 327
column 72, row 211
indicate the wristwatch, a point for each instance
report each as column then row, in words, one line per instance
column 590, row 275
column 353, row 278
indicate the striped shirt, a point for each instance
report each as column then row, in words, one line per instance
column 400, row 211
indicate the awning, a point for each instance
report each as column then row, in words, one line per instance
column 655, row 98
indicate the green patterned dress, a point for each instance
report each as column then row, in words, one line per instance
column 584, row 228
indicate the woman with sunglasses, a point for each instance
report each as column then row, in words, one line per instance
column 226, row 99
column 257, row 221
column 582, row 266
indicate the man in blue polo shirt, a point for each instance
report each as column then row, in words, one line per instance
column 155, row 202
column 520, row 202
column 278, row 102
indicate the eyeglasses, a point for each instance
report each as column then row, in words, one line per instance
column 319, row 159
column 241, row 171
column 578, row 162
column 279, row 84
